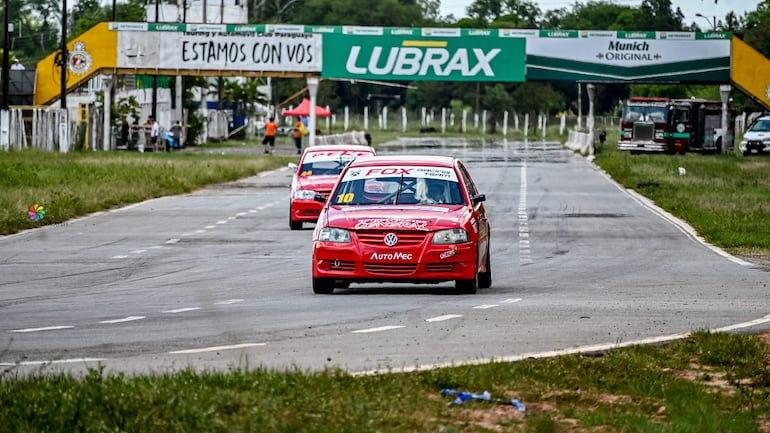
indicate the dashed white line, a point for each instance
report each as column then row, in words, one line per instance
column 240, row 214
column 200, row 231
column 216, row 348
column 119, row 257
column 444, row 317
column 380, row 329
column 525, row 253
column 138, row 251
column 125, row 319
column 54, row 361
column 222, row 222
column 210, row 227
column 45, row 328
column 172, row 241
column 181, row 310
column 511, row 301
column 485, row 306
column 228, row 302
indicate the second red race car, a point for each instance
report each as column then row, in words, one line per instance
column 405, row 219
column 318, row 170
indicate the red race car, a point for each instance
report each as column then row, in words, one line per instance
column 413, row 219
column 318, row 170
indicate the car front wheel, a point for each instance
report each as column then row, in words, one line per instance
column 485, row 278
column 323, row 286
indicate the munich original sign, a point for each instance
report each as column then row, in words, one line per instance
column 437, row 57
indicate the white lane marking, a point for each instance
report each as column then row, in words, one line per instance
column 525, row 252
column 54, row 361
column 230, row 218
column 45, row 328
column 240, row 214
column 444, row 317
column 119, row 257
column 216, row 348
column 261, row 207
column 172, row 241
column 511, row 301
column 200, row 231
column 381, row 328
column 181, row 310
column 485, row 306
column 228, row 302
column 570, row 351
column 125, row 319
column 154, row 247
column 252, row 211
column 138, row 251
column 222, row 222
column 210, row 227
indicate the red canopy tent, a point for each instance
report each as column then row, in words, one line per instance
column 303, row 109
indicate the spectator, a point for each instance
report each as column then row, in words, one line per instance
column 297, row 135
column 17, row 66
column 154, row 133
column 176, row 132
column 124, row 133
column 269, row 140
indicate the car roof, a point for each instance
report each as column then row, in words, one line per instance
column 334, row 147
column 429, row 160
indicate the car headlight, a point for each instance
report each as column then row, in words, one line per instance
column 450, row 236
column 333, row 234
column 304, row 194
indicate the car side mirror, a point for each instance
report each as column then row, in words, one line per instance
column 476, row 199
column 320, row 198
column 292, row 166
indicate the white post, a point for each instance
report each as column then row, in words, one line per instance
column 403, row 119
column 563, row 124
column 505, row 123
column 526, row 125
column 5, row 130
column 64, row 131
column 423, row 121
column 591, row 89
column 452, row 119
column 328, row 120
column 545, row 125
column 476, row 121
column 205, row 111
column 724, row 94
column 580, row 107
column 312, row 87
column 106, row 134
column 366, row 118
column 484, row 122
column 443, row 120
column 384, row 117
column 465, row 120
column 516, row 121
column 346, row 119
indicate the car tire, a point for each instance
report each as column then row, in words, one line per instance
column 323, row 286
column 342, row 284
column 485, row 278
column 295, row 225
column 468, row 287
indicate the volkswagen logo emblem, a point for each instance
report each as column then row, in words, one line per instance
column 391, row 239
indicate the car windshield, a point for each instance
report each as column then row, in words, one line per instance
column 328, row 167
column 762, row 125
column 401, row 185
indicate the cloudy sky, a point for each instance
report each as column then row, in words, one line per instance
column 689, row 7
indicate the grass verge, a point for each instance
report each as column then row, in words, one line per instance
column 706, row 383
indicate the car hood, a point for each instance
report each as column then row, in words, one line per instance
column 405, row 217
column 320, row 183
column 755, row 135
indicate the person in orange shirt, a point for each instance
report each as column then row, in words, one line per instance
column 269, row 140
column 297, row 135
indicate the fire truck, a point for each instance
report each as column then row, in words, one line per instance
column 674, row 125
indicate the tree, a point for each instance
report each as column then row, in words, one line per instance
column 247, row 98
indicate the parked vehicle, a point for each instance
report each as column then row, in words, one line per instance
column 317, row 171
column 674, row 126
column 405, row 219
column 756, row 139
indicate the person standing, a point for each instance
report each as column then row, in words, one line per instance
column 176, row 132
column 124, row 133
column 154, row 133
column 17, row 66
column 269, row 140
column 297, row 135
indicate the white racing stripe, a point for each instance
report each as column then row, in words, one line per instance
column 381, row 328
column 45, row 328
column 125, row 319
column 216, row 348
column 444, row 317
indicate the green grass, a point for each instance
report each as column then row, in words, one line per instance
column 708, row 382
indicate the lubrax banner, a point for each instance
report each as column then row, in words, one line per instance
column 406, row 54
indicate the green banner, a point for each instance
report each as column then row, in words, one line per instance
column 417, row 57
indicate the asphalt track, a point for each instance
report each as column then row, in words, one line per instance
column 215, row 279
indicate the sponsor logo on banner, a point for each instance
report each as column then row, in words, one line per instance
column 432, row 56
column 618, row 51
column 391, row 256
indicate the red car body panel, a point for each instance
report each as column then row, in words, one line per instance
column 413, row 258
column 307, row 209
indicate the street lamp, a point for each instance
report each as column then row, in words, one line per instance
column 712, row 23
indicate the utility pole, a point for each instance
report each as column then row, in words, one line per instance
column 64, row 55
column 5, row 123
